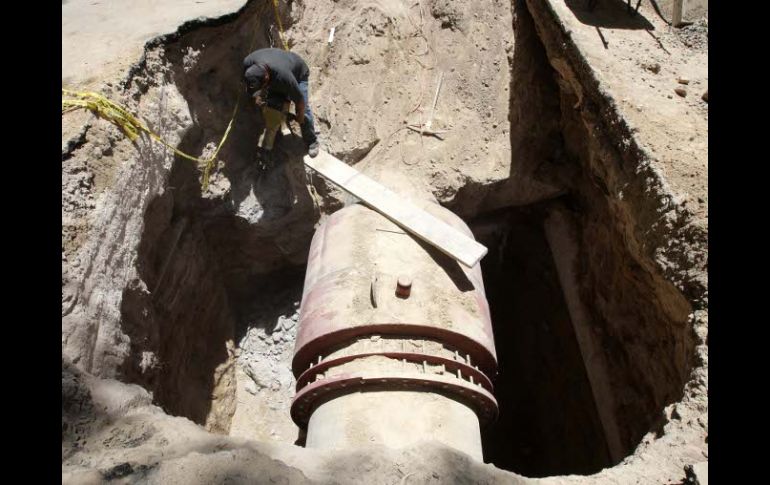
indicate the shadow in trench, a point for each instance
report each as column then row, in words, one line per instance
column 178, row 319
column 548, row 423
column 610, row 14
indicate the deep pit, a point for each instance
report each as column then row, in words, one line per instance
column 548, row 422
column 592, row 341
column 569, row 387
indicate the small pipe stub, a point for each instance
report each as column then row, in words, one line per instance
column 403, row 286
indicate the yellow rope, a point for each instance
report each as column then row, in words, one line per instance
column 132, row 126
column 280, row 25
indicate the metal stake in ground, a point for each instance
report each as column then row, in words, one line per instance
column 435, row 100
column 676, row 16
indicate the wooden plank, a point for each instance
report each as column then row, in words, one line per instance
column 411, row 218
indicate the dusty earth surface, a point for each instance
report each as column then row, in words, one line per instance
column 101, row 39
column 179, row 305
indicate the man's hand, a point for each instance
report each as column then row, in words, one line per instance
column 259, row 98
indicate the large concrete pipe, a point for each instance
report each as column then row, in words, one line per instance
column 395, row 341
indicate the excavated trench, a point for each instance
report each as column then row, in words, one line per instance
column 548, row 423
column 573, row 381
column 592, row 342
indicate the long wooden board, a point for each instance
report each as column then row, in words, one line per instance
column 411, row 218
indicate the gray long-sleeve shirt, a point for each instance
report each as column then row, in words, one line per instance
column 287, row 70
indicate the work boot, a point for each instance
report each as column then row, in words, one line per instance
column 312, row 149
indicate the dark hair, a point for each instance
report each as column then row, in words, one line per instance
column 255, row 77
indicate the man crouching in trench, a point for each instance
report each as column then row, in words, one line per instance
column 278, row 76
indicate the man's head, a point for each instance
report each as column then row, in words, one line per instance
column 257, row 77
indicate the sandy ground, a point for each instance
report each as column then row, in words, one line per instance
column 101, row 39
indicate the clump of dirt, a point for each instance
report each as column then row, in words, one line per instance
column 265, row 382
